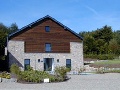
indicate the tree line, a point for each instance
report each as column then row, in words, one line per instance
column 101, row 41
column 4, row 32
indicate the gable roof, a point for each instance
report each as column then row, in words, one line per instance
column 46, row 17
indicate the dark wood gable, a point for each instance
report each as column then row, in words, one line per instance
column 35, row 37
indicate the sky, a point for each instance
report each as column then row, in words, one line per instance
column 78, row 15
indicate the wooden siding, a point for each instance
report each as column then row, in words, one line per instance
column 36, row 37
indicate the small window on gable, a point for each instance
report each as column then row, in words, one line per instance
column 47, row 28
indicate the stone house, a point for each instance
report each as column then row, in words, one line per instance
column 45, row 44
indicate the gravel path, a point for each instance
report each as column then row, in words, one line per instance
column 109, row 81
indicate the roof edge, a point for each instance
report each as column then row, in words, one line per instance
column 47, row 16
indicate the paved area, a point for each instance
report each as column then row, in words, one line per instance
column 109, row 81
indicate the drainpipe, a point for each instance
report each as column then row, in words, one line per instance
column 35, row 64
column 35, row 61
column 7, row 53
column 7, row 43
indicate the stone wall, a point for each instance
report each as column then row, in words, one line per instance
column 17, row 55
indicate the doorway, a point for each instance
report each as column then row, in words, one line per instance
column 48, row 64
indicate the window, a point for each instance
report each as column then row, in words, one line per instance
column 48, row 47
column 26, row 64
column 57, row 60
column 47, row 28
column 38, row 60
column 68, row 63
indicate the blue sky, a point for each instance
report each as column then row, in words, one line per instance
column 79, row 15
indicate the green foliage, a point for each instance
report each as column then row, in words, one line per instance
column 100, row 70
column 100, row 56
column 82, row 69
column 102, row 42
column 107, row 64
column 2, row 57
column 5, row 75
column 33, row 76
column 4, row 31
column 15, row 69
column 12, row 28
column 114, row 46
column 112, row 71
column 61, row 72
column 106, row 57
column 38, row 76
column 52, row 78
column 3, row 36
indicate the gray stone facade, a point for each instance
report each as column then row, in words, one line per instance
column 17, row 55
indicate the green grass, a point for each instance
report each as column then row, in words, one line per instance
column 108, row 63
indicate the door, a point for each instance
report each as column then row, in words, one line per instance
column 48, row 64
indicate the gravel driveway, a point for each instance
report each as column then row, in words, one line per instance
column 109, row 81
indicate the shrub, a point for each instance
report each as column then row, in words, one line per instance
column 82, row 69
column 5, row 75
column 100, row 56
column 106, row 57
column 52, row 78
column 33, row 76
column 14, row 69
column 8, row 76
column 61, row 72
column 100, row 70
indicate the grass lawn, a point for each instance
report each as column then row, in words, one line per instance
column 107, row 63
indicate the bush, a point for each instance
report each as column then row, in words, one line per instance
column 8, row 76
column 100, row 56
column 14, row 69
column 100, row 70
column 5, row 75
column 61, row 72
column 82, row 69
column 33, row 76
column 52, row 78
column 106, row 57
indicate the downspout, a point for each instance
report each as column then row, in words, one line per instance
column 7, row 53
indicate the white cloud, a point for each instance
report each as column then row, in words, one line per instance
column 91, row 9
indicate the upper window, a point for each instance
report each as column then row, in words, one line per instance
column 47, row 28
column 48, row 47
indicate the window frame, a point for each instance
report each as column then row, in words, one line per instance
column 26, row 64
column 47, row 28
column 48, row 49
column 68, row 64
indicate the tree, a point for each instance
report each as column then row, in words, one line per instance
column 101, row 41
column 13, row 28
column 113, row 46
column 106, row 33
column 89, row 44
column 4, row 31
column 3, row 35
